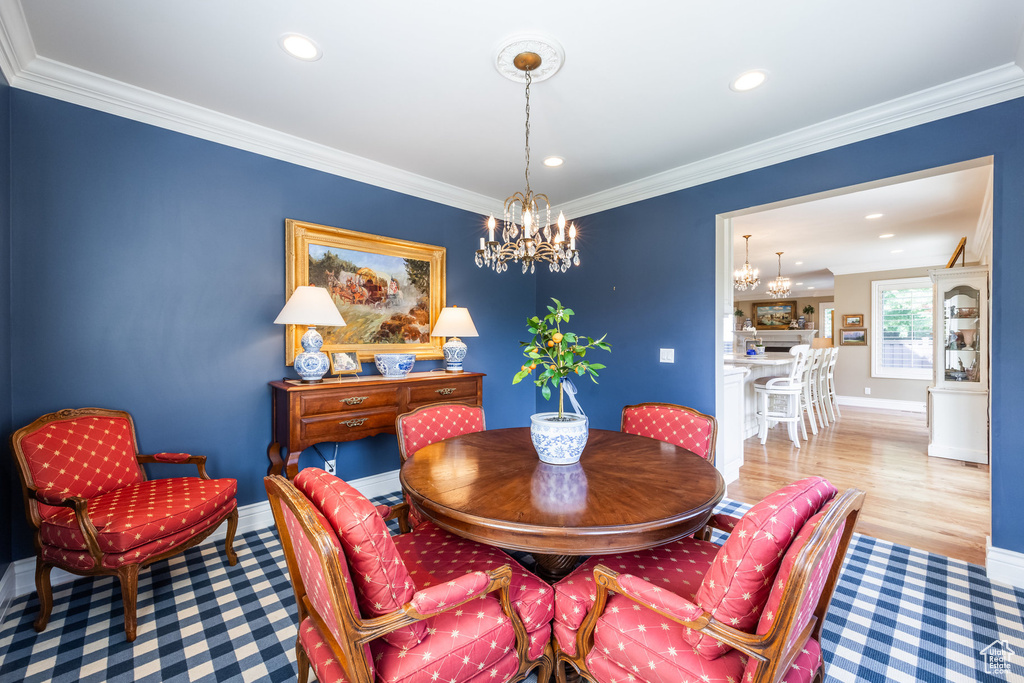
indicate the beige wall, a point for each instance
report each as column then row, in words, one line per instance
column 853, row 369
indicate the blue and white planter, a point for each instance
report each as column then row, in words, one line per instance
column 559, row 442
column 394, row 365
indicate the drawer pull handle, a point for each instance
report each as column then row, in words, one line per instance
column 354, row 400
column 447, row 391
column 354, row 423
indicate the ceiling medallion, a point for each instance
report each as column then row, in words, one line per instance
column 550, row 52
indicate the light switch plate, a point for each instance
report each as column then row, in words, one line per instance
column 668, row 356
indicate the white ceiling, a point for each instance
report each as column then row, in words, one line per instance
column 406, row 95
column 926, row 217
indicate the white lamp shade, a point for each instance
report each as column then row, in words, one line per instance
column 454, row 322
column 310, row 306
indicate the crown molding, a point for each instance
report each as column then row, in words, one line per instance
column 873, row 266
column 26, row 71
column 979, row 90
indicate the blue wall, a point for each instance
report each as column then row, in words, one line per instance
column 649, row 277
column 148, row 267
column 10, row 487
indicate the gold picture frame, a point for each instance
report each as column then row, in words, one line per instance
column 857, row 336
column 773, row 315
column 853, row 320
column 389, row 291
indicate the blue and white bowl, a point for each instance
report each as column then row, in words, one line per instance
column 394, row 365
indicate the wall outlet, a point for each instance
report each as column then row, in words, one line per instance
column 867, row 391
column 331, row 466
column 668, row 356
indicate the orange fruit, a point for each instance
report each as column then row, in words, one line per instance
column 557, row 337
column 533, row 366
column 550, row 344
column 554, row 367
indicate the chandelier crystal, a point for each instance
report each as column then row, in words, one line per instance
column 527, row 234
column 779, row 287
column 746, row 276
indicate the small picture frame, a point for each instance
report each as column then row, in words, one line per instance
column 853, row 320
column 345, row 362
column 853, row 337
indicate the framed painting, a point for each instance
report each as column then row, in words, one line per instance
column 853, row 320
column 853, row 337
column 345, row 363
column 774, row 315
column 389, row 291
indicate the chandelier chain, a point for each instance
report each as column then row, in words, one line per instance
column 529, row 79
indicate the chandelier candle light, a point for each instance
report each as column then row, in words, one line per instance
column 746, row 276
column 526, row 232
column 454, row 322
column 779, row 287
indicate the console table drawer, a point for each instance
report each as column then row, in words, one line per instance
column 347, row 426
column 450, row 390
column 349, row 398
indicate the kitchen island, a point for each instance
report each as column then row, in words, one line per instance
column 771, row 364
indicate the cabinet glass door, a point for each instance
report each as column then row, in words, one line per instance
column 962, row 316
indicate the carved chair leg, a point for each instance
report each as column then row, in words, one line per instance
column 45, row 594
column 229, row 539
column 560, row 667
column 129, row 577
column 302, row 661
column 544, row 672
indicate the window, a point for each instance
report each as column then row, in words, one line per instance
column 828, row 314
column 901, row 333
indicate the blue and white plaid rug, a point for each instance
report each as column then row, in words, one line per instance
column 898, row 614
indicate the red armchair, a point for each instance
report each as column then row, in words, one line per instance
column 750, row 610
column 93, row 511
column 679, row 425
column 421, row 606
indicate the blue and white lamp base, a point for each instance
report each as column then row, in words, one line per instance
column 454, row 353
column 312, row 364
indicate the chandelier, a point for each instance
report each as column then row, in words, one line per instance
column 527, row 234
column 746, row 276
column 779, row 287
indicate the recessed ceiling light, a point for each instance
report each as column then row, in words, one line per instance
column 554, row 161
column 897, row 251
column 749, row 80
column 798, row 263
column 799, row 283
column 300, row 47
column 874, row 216
column 885, row 236
column 810, row 288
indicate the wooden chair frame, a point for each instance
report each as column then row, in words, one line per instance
column 712, row 439
column 128, row 574
column 357, row 631
column 768, row 649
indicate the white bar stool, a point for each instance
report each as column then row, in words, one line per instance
column 779, row 398
column 831, row 397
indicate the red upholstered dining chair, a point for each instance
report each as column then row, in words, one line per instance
column 93, row 511
column 679, row 425
column 420, row 606
column 429, row 424
column 750, row 610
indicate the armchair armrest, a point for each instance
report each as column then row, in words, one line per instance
column 81, row 508
column 724, row 523
column 176, row 459
column 436, row 599
column 399, row 512
column 667, row 604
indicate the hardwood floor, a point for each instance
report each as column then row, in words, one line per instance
column 938, row 505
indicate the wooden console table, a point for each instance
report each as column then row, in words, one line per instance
column 354, row 408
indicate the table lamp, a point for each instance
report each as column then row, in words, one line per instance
column 310, row 306
column 454, row 322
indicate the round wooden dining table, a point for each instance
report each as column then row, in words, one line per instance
column 626, row 493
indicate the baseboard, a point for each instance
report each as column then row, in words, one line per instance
column 20, row 577
column 882, row 403
column 1004, row 566
column 6, row 591
column 954, row 453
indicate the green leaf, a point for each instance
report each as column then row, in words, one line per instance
column 546, row 392
column 569, row 312
column 597, row 366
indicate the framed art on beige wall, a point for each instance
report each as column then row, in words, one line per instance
column 389, row 291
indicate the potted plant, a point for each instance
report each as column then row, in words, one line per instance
column 558, row 437
column 739, row 318
column 808, row 311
